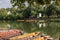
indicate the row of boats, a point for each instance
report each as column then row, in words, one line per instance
column 27, row 20
column 14, row 34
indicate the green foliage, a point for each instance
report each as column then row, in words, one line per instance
column 35, row 7
column 49, row 10
column 26, row 12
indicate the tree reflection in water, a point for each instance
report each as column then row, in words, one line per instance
column 50, row 28
column 42, row 25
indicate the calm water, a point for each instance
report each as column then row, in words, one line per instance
column 49, row 28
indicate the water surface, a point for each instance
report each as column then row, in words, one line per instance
column 49, row 28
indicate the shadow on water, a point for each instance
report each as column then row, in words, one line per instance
column 50, row 28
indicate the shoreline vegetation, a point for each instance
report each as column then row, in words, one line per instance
column 34, row 20
column 51, row 20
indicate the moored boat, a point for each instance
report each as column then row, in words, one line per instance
column 25, row 36
column 9, row 33
column 31, row 20
column 40, row 38
column 20, row 20
column 43, row 38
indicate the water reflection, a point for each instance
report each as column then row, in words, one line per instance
column 8, row 25
column 50, row 28
column 42, row 25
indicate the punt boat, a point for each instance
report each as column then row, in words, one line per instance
column 25, row 36
column 9, row 33
column 40, row 38
column 43, row 38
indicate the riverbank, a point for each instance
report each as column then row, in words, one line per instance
column 36, row 20
column 39, row 20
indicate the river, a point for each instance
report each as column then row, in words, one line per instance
column 49, row 28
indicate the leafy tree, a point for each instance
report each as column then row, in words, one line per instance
column 36, row 8
column 3, row 13
column 49, row 10
column 57, row 11
column 26, row 13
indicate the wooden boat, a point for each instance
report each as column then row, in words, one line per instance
column 31, row 20
column 20, row 20
column 25, row 36
column 9, row 33
column 42, row 38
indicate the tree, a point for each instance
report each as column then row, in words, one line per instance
column 26, row 13
column 49, row 10
column 35, row 5
column 3, row 13
column 57, row 11
column 17, row 3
